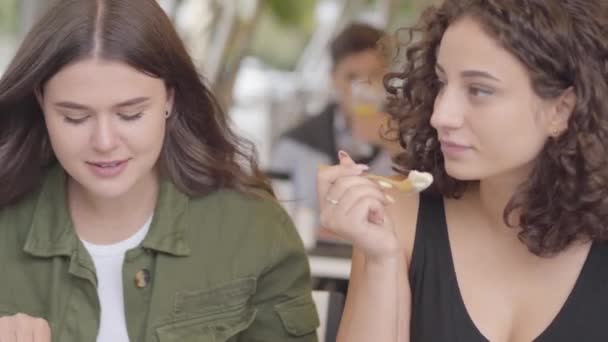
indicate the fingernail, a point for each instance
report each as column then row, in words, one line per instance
column 343, row 155
column 362, row 167
column 385, row 184
column 389, row 198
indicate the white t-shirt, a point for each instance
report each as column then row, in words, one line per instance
column 108, row 260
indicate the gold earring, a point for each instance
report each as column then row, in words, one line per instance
column 555, row 132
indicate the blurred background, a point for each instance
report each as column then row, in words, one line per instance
column 267, row 60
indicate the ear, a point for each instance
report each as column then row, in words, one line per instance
column 170, row 100
column 39, row 96
column 563, row 107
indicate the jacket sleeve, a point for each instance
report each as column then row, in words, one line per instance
column 283, row 300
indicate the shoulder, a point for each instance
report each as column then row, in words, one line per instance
column 48, row 192
column 251, row 230
column 316, row 133
column 311, row 142
column 16, row 219
column 289, row 153
column 313, row 124
column 256, row 217
column 238, row 204
column 24, row 206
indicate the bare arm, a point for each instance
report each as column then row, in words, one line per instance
column 382, row 231
column 378, row 303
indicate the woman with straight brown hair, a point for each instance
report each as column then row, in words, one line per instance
column 129, row 210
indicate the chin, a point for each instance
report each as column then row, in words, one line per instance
column 110, row 188
column 463, row 172
column 113, row 191
column 107, row 189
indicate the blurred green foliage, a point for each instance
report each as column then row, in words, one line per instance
column 9, row 16
column 285, row 26
column 283, row 31
column 299, row 14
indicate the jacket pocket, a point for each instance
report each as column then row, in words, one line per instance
column 212, row 315
column 298, row 315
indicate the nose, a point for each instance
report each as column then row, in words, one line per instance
column 105, row 137
column 448, row 111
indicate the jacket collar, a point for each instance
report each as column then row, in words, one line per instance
column 52, row 232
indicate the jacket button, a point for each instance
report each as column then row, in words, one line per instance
column 142, row 278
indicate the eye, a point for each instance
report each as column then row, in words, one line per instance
column 74, row 120
column 477, row 91
column 131, row 117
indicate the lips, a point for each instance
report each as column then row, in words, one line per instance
column 107, row 164
column 452, row 144
column 108, row 169
column 453, row 150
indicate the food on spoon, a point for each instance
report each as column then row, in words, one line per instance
column 416, row 181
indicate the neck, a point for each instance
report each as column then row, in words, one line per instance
column 495, row 193
column 108, row 220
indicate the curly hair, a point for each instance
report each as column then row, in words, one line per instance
column 562, row 44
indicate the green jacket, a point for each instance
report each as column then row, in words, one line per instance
column 224, row 267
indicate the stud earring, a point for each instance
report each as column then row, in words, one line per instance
column 555, row 132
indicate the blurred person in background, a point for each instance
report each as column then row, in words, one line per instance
column 351, row 122
column 129, row 210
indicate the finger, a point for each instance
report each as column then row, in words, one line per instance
column 24, row 330
column 354, row 224
column 340, row 201
column 337, row 190
column 331, row 204
column 7, row 330
column 361, row 211
column 345, row 159
column 334, row 205
column 329, row 175
column 357, row 193
column 24, row 334
column 42, row 331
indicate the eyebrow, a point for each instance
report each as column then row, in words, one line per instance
column 77, row 106
column 471, row 73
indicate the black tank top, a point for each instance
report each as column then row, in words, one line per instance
column 438, row 311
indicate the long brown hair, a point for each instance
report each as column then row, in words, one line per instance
column 562, row 44
column 200, row 153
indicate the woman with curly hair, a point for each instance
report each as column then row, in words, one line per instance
column 504, row 103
